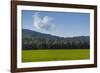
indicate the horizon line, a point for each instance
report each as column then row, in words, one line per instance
column 56, row 35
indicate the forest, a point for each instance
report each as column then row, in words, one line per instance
column 32, row 40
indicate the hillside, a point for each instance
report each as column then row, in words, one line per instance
column 29, row 34
column 36, row 40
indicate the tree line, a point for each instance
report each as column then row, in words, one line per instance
column 57, row 43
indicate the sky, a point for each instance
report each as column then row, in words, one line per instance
column 64, row 24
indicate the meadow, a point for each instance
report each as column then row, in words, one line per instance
column 55, row 55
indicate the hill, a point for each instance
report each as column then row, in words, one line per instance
column 36, row 40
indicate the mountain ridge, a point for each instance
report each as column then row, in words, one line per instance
column 36, row 40
column 27, row 31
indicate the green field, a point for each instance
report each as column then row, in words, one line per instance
column 54, row 55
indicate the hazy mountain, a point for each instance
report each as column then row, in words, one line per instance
column 30, row 33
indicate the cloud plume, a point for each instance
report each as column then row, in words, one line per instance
column 44, row 23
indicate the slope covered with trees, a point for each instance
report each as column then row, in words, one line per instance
column 36, row 40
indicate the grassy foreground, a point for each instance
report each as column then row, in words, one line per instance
column 54, row 55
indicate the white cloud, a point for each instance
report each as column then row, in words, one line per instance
column 44, row 23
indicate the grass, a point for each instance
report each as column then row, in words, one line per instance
column 54, row 55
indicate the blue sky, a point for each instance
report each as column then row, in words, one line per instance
column 64, row 24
